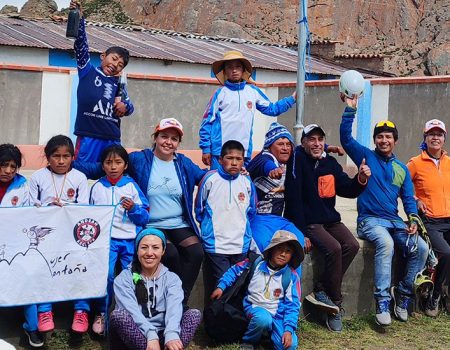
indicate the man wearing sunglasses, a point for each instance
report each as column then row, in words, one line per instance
column 378, row 219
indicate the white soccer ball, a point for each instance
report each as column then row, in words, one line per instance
column 351, row 83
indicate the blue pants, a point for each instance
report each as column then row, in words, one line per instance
column 82, row 305
column 385, row 238
column 89, row 149
column 122, row 249
column 262, row 322
column 215, row 162
column 31, row 319
column 264, row 227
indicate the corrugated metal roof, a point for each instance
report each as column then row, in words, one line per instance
column 157, row 44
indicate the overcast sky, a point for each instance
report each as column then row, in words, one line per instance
column 19, row 3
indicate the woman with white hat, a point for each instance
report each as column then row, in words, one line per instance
column 430, row 173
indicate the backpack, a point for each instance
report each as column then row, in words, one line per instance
column 225, row 320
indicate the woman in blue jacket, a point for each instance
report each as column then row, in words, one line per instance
column 168, row 180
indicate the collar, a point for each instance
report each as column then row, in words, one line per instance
column 383, row 157
column 235, row 86
column 225, row 175
column 426, row 155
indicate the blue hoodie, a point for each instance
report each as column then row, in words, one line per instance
column 164, row 307
column 390, row 178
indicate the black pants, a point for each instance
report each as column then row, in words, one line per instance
column 339, row 247
column 214, row 267
column 183, row 256
column 439, row 233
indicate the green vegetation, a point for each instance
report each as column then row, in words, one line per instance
column 107, row 10
column 420, row 332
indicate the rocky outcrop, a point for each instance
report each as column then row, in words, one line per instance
column 412, row 34
column 8, row 9
column 39, row 8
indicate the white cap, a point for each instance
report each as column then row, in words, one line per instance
column 434, row 124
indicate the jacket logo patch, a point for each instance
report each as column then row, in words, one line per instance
column 249, row 104
column 241, row 196
column 277, row 293
column 71, row 193
column 14, row 201
column 86, row 232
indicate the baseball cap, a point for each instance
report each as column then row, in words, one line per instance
column 169, row 123
column 434, row 124
column 309, row 129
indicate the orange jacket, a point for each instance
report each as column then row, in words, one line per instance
column 432, row 183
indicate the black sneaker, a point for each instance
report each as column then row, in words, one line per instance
column 35, row 339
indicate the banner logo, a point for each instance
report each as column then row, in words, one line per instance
column 86, row 231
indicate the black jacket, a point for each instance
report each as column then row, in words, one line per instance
column 311, row 187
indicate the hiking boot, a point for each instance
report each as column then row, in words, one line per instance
column 45, row 321
column 322, row 301
column 432, row 307
column 98, row 326
column 383, row 315
column 401, row 303
column 80, row 322
column 246, row 346
column 35, row 339
column 334, row 321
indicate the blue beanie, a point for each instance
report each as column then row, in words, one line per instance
column 148, row 232
column 275, row 132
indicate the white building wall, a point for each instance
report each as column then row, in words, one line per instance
column 55, row 105
column 24, row 55
column 262, row 122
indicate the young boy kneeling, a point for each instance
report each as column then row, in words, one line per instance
column 269, row 306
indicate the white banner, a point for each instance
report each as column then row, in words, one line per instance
column 52, row 254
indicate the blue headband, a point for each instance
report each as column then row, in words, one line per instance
column 150, row 231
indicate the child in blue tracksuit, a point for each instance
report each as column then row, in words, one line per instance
column 271, row 305
column 231, row 111
column 132, row 214
column 225, row 202
column 102, row 102
column 14, row 192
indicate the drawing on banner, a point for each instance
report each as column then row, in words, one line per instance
column 85, row 231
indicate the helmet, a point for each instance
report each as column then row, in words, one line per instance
column 423, row 284
column 351, row 83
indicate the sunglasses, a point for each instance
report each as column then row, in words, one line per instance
column 387, row 123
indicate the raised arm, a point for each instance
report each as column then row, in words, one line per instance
column 273, row 109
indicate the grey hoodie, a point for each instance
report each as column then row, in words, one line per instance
column 164, row 306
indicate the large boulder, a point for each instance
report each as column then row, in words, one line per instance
column 8, row 9
column 39, row 8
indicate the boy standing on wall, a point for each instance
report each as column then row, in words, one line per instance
column 97, row 125
column 231, row 111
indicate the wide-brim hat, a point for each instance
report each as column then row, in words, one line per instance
column 218, row 66
column 283, row 236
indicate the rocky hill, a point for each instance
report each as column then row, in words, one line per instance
column 414, row 35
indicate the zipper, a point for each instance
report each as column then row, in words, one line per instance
column 239, row 97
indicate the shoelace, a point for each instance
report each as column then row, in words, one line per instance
column 80, row 317
column 404, row 302
column 383, row 306
column 46, row 317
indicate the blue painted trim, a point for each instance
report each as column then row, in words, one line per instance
column 363, row 129
column 73, row 105
column 61, row 58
